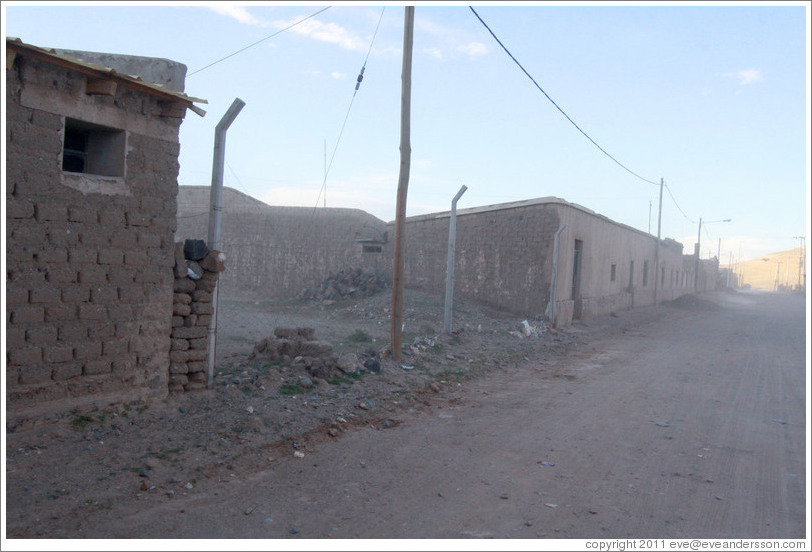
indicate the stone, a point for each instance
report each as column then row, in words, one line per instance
column 195, row 249
column 194, row 270
column 348, row 363
column 372, row 365
column 315, row 348
column 214, row 261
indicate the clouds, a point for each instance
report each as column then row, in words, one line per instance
column 331, row 33
column 473, row 49
column 325, row 32
column 448, row 42
column 239, row 13
column 745, row 76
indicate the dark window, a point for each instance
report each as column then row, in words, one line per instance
column 74, row 153
column 372, row 249
column 645, row 273
column 613, row 273
column 93, row 149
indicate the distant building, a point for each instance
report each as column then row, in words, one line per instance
column 504, row 254
column 506, row 257
column 278, row 252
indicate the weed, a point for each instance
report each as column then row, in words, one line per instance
column 289, row 389
column 79, row 421
column 359, row 336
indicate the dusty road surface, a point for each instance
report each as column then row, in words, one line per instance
column 689, row 424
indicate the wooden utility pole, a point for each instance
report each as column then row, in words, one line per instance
column 403, row 186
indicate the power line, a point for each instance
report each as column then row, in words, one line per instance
column 556, row 105
column 357, row 86
column 678, row 207
column 258, row 41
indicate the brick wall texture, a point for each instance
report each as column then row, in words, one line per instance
column 279, row 252
column 504, row 258
column 89, row 275
column 502, row 255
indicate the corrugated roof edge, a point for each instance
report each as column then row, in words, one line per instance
column 21, row 47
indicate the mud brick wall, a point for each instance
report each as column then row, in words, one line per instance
column 279, row 252
column 89, row 274
column 503, row 256
column 192, row 309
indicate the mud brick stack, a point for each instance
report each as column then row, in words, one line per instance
column 196, row 272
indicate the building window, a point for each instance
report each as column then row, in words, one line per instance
column 372, row 249
column 645, row 273
column 93, row 149
column 613, row 273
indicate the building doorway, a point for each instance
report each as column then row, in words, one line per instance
column 578, row 251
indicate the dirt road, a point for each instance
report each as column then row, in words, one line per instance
column 690, row 425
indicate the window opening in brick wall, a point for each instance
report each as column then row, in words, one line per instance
column 645, row 273
column 613, row 273
column 93, row 149
column 372, row 249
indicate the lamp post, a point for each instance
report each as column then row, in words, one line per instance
column 698, row 241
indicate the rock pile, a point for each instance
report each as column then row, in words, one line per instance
column 298, row 348
column 348, row 283
column 196, row 271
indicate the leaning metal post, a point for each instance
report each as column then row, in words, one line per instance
column 449, row 275
column 215, row 212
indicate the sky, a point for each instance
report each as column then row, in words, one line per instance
column 598, row 104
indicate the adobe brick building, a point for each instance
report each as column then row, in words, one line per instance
column 506, row 257
column 505, row 254
column 91, row 186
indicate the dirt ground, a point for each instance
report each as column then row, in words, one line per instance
column 619, row 427
column 65, row 468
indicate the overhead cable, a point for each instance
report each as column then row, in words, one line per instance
column 258, row 41
column 357, row 86
column 678, row 207
column 556, row 105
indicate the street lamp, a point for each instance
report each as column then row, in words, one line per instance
column 698, row 241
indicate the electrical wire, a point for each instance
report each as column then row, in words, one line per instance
column 258, row 41
column 556, row 105
column 677, row 204
column 344, row 124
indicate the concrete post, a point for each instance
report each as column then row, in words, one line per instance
column 449, row 275
column 215, row 213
